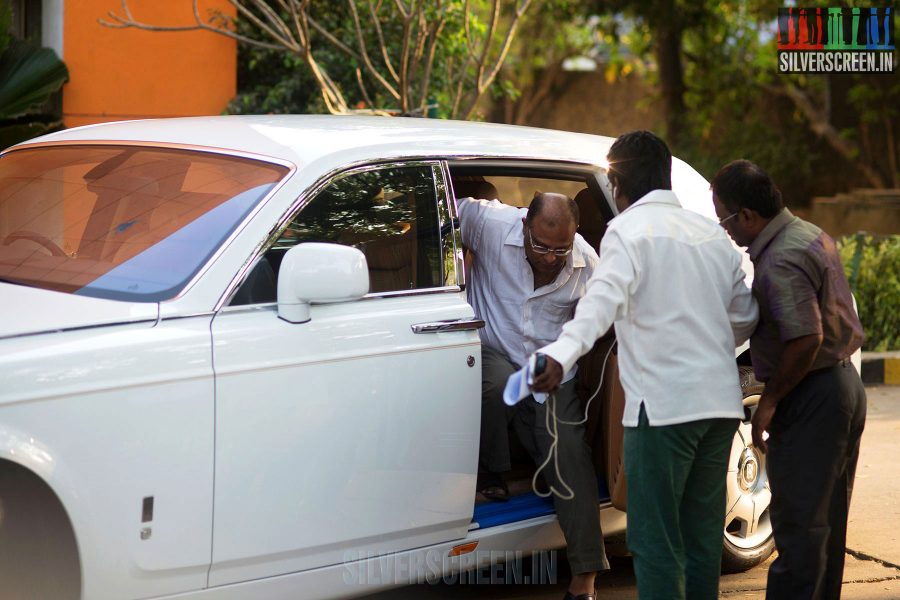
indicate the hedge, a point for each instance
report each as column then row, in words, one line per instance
column 872, row 266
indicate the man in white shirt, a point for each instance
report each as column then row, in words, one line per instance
column 672, row 283
column 530, row 268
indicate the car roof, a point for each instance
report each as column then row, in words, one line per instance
column 304, row 139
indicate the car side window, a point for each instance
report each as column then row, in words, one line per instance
column 390, row 214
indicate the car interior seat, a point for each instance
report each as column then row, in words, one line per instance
column 603, row 431
column 592, row 224
column 474, row 186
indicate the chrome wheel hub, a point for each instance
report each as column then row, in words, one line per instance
column 748, row 470
column 747, row 523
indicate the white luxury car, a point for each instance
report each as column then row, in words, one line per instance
column 237, row 361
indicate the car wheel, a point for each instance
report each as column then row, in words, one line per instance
column 748, row 527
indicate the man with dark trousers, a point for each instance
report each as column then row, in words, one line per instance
column 813, row 407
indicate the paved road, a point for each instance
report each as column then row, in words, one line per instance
column 873, row 562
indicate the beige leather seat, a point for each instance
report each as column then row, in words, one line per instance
column 474, row 186
column 593, row 223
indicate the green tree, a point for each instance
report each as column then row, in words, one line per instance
column 872, row 266
column 401, row 54
column 715, row 65
column 554, row 31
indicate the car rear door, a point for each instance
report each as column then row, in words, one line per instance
column 355, row 433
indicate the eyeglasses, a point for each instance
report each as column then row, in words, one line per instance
column 544, row 250
column 731, row 216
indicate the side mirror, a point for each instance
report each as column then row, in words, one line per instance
column 314, row 272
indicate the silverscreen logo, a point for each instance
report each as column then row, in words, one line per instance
column 836, row 40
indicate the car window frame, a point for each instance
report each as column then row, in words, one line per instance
column 441, row 187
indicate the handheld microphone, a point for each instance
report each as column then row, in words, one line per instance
column 536, row 365
column 540, row 363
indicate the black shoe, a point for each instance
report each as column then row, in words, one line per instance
column 491, row 486
column 591, row 596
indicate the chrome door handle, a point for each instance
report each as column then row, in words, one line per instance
column 449, row 325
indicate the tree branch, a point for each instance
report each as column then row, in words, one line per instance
column 408, row 16
column 492, row 26
column 821, row 127
column 436, row 27
column 466, row 30
column 547, row 81
column 119, row 22
column 290, row 43
column 482, row 84
column 330, row 37
column 362, row 87
column 365, row 55
column 404, row 11
column 380, row 34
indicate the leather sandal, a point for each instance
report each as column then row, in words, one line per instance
column 491, row 486
column 591, row 596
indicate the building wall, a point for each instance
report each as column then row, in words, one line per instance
column 867, row 210
column 120, row 74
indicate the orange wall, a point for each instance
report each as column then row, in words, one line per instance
column 117, row 74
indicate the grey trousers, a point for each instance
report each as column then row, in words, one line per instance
column 579, row 517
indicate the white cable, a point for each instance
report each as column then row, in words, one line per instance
column 553, row 452
column 587, row 405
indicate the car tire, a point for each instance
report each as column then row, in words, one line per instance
column 748, row 527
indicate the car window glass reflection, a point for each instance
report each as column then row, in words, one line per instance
column 121, row 222
column 390, row 214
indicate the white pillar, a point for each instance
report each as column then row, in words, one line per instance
column 52, row 25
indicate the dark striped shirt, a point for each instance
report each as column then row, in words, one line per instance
column 801, row 289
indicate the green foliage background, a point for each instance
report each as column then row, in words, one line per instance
column 29, row 76
column 872, row 266
column 275, row 81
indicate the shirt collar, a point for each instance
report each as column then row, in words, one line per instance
column 656, row 197
column 778, row 222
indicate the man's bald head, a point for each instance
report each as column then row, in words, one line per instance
column 553, row 209
column 548, row 228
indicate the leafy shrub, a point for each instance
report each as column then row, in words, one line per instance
column 872, row 266
column 29, row 76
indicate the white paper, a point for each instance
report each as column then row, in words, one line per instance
column 517, row 388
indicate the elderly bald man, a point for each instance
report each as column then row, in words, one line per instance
column 530, row 269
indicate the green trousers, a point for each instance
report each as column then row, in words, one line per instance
column 676, row 506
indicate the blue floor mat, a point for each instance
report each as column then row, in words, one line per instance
column 519, row 508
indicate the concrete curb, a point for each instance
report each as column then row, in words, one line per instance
column 881, row 367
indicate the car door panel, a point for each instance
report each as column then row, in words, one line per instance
column 348, row 433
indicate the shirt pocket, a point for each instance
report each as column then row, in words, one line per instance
column 556, row 314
